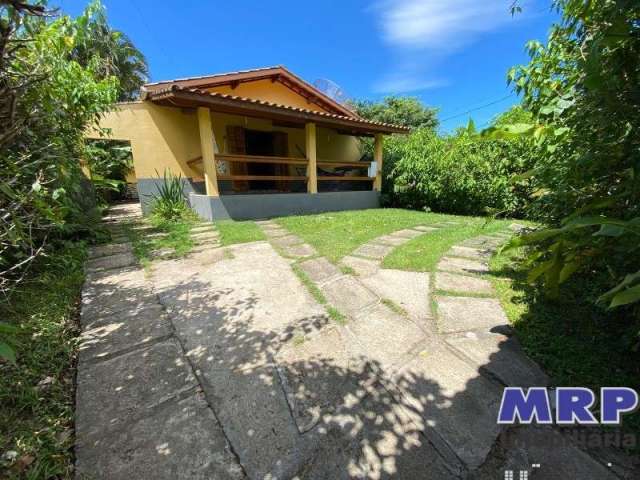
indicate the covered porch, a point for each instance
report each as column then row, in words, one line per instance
column 246, row 171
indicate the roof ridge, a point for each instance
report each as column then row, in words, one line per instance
column 199, row 77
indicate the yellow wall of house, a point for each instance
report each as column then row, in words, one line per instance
column 166, row 138
column 161, row 138
column 270, row 91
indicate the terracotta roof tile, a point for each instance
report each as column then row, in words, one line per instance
column 178, row 88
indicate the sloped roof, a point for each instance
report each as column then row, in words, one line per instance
column 277, row 73
column 181, row 96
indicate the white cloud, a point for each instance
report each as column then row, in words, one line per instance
column 439, row 25
column 407, row 82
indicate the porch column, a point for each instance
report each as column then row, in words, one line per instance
column 208, row 154
column 377, row 157
column 310, row 149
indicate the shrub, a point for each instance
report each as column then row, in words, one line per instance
column 459, row 173
column 170, row 203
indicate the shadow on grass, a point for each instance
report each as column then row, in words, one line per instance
column 573, row 340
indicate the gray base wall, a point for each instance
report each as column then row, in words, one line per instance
column 148, row 189
column 251, row 207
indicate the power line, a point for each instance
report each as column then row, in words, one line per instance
column 478, row 108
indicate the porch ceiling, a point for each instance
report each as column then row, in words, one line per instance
column 177, row 96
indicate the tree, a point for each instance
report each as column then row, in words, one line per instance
column 49, row 100
column 119, row 57
column 582, row 89
column 406, row 111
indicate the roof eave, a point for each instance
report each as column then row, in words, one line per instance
column 177, row 97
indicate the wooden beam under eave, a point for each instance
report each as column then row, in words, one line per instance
column 377, row 157
column 207, row 141
column 310, row 149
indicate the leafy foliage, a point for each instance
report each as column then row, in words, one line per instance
column 108, row 162
column 459, row 173
column 582, row 87
column 49, row 100
column 95, row 38
column 407, row 111
column 170, row 203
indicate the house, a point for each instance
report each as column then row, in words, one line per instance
column 250, row 144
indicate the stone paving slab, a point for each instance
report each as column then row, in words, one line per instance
column 462, row 265
column 372, row 250
column 318, row 374
column 470, row 252
column 391, row 240
column 374, row 437
column 457, row 314
column 114, row 280
column 103, row 304
column 120, row 239
column 114, row 392
column 349, row 296
column 407, row 233
column 301, row 250
column 109, row 249
column 275, row 232
column 456, row 403
column 270, row 226
column 122, row 332
column 110, row 262
column 286, row 241
column 182, row 440
column 452, row 282
column 425, row 228
column 146, row 313
column 483, row 241
column 209, row 255
column 559, row 459
column 319, row 269
column 408, row 290
column 252, row 407
column 206, row 236
column 502, row 357
column 203, row 228
column 362, row 266
column 385, row 338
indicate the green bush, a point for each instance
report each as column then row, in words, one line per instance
column 170, row 203
column 459, row 173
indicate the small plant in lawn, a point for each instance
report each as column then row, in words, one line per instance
column 170, row 203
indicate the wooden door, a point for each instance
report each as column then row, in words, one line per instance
column 281, row 149
column 236, row 144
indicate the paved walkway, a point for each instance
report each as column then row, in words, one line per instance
column 223, row 365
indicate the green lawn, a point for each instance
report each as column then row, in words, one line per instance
column 337, row 234
column 239, row 232
column 178, row 238
column 37, row 394
column 422, row 253
column 573, row 341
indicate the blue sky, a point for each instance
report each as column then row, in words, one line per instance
column 452, row 54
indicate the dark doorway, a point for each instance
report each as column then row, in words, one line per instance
column 260, row 143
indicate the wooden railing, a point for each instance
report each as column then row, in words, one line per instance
column 193, row 163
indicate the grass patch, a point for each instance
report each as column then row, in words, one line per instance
column 394, row 307
column 576, row 343
column 37, row 394
column 177, row 238
column 232, row 232
column 337, row 234
column 336, row 316
column 307, row 282
column 421, row 254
